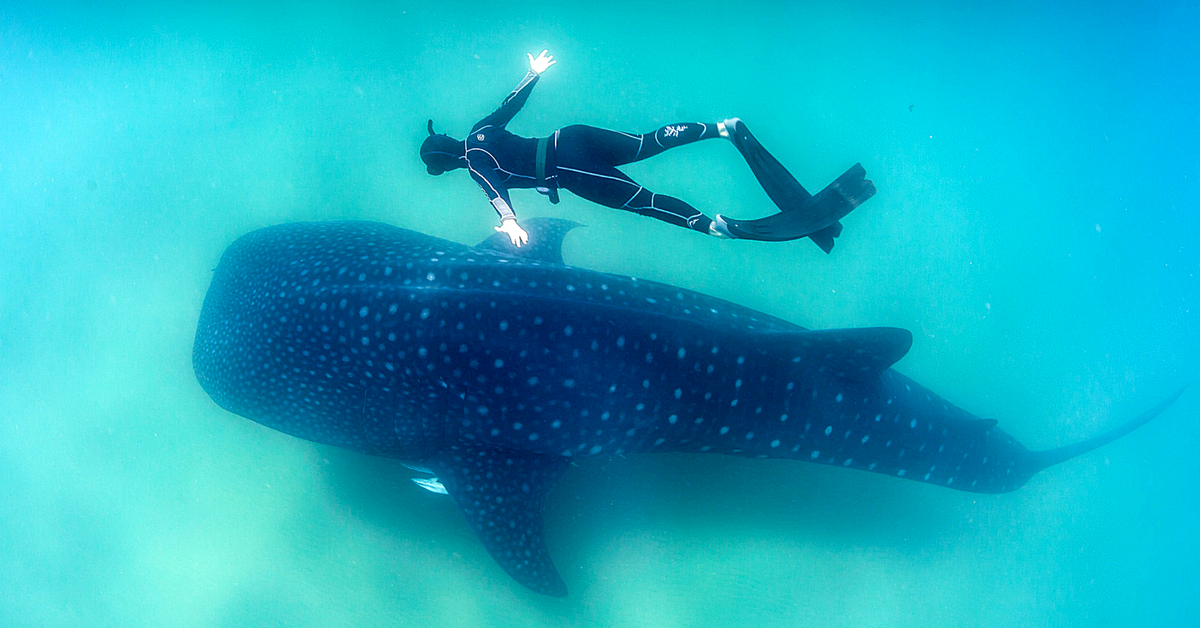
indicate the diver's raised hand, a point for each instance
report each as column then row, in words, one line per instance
column 542, row 62
column 510, row 228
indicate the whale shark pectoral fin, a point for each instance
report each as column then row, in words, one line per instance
column 545, row 240
column 415, row 467
column 857, row 354
column 502, row 492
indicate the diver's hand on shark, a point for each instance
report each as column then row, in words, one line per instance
column 541, row 63
column 514, row 232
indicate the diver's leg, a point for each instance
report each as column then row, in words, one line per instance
column 604, row 185
column 617, row 148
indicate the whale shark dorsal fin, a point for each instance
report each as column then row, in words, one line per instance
column 850, row 353
column 502, row 493
column 545, row 240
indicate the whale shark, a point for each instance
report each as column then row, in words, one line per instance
column 490, row 368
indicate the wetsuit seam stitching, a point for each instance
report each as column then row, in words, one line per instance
column 639, row 191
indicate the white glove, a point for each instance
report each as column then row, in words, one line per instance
column 514, row 232
column 542, row 62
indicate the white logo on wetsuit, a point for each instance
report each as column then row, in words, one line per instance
column 674, row 131
column 479, row 137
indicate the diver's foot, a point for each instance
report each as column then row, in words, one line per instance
column 719, row 228
column 726, row 127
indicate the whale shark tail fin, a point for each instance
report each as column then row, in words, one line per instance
column 1051, row 457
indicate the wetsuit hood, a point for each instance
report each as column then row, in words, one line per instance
column 441, row 152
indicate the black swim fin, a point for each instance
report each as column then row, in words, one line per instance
column 801, row 214
column 775, row 179
column 824, row 238
column 816, row 218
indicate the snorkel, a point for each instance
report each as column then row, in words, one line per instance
column 441, row 152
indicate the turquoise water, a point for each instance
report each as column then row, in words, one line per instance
column 1037, row 228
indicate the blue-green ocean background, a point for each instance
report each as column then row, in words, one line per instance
column 1037, row 227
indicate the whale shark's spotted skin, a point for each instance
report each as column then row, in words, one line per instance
column 493, row 367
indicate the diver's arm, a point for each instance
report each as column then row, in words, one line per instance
column 498, row 195
column 516, row 99
column 511, row 105
column 489, row 181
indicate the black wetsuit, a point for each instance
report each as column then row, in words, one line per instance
column 578, row 158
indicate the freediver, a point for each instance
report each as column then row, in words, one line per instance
column 584, row 160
